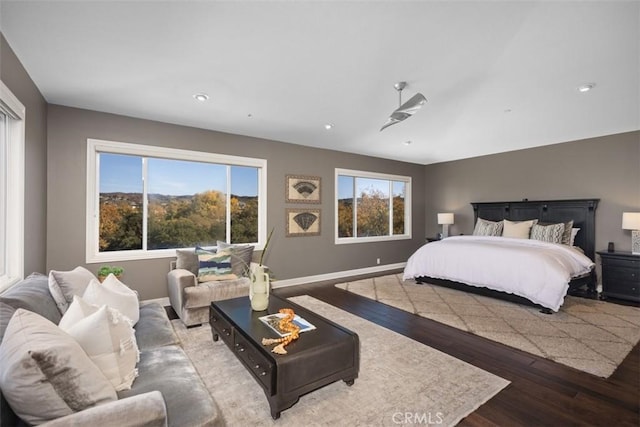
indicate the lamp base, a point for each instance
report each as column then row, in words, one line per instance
column 445, row 230
column 635, row 242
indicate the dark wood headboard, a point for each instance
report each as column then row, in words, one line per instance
column 581, row 211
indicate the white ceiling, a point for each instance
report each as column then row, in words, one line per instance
column 498, row 76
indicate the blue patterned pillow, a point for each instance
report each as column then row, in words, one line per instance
column 214, row 265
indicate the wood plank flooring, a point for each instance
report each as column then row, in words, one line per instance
column 541, row 392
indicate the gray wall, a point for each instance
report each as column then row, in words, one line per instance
column 607, row 168
column 69, row 128
column 35, row 203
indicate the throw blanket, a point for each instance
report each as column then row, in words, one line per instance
column 538, row 271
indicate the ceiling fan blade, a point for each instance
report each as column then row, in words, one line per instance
column 406, row 110
column 412, row 105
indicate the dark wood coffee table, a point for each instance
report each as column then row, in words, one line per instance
column 319, row 357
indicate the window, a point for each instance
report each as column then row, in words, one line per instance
column 145, row 202
column 372, row 206
column 12, row 117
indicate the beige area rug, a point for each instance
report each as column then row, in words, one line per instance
column 589, row 335
column 398, row 378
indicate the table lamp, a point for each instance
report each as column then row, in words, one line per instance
column 631, row 221
column 445, row 219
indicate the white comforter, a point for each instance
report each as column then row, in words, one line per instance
column 535, row 270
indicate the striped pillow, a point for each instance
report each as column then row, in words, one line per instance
column 488, row 228
column 548, row 233
column 214, row 266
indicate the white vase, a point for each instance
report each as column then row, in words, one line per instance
column 259, row 288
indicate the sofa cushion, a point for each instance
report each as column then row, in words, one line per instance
column 169, row 370
column 187, row 259
column 45, row 374
column 241, row 256
column 154, row 328
column 115, row 294
column 65, row 284
column 108, row 339
column 214, row 265
column 32, row 294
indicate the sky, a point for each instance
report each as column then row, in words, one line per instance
column 123, row 173
column 345, row 186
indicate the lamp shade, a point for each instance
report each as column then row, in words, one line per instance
column 445, row 218
column 631, row 220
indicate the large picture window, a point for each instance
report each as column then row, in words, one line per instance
column 145, row 202
column 12, row 131
column 372, row 206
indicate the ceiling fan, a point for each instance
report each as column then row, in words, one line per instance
column 405, row 110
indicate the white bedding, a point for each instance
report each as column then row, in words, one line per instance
column 538, row 271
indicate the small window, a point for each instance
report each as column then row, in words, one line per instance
column 372, row 206
column 150, row 201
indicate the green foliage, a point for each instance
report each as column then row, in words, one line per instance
column 175, row 221
column 105, row 270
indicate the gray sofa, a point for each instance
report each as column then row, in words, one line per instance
column 167, row 391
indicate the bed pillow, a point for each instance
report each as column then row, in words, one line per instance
column 63, row 285
column 574, row 232
column 566, row 235
column 241, row 256
column 45, row 374
column 214, row 266
column 548, row 233
column 488, row 228
column 518, row 229
column 108, row 339
column 115, row 294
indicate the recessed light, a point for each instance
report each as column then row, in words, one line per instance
column 201, row 97
column 407, row 143
column 507, row 110
column 250, row 115
column 586, row 87
column 328, row 126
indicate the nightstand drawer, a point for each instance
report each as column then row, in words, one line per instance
column 621, row 275
column 613, row 262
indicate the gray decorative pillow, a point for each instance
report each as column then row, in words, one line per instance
column 45, row 374
column 566, row 235
column 241, row 256
column 488, row 228
column 548, row 233
column 63, row 285
column 187, row 259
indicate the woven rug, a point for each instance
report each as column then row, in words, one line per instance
column 398, row 378
column 589, row 335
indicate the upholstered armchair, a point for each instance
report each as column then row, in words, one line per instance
column 190, row 298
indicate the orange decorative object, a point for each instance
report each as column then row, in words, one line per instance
column 286, row 325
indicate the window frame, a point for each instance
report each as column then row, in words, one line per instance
column 96, row 146
column 13, row 249
column 407, row 235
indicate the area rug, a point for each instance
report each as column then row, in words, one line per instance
column 400, row 379
column 589, row 335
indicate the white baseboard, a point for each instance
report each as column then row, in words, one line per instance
column 336, row 275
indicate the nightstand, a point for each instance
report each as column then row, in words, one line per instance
column 620, row 275
column 431, row 239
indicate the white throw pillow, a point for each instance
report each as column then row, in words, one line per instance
column 574, row 233
column 45, row 374
column 63, row 285
column 519, row 229
column 107, row 337
column 115, row 294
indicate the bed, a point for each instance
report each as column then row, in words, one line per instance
column 520, row 270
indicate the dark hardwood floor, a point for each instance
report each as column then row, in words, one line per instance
column 541, row 392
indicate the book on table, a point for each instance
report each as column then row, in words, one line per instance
column 273, row 322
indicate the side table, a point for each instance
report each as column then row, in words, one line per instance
column 620, row 275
